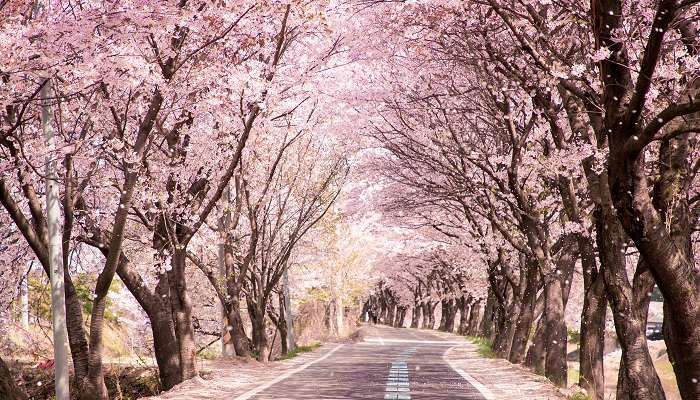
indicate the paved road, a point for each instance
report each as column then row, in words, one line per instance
column 390, row 364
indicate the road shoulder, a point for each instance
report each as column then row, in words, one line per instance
column 500, row 379
column 230, row 378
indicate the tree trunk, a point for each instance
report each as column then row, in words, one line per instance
column 475, row 318
column 443, row 315
column 504, row 305
column 643, row 284
column 77, row 339
column 647, row 223
column 536, row 354
column 677, row 332
column 451, row 315
column 463, row 304
column 555, row 368
column 487, row 322
column 681, row 314
column 93, row 387
column 182, row 315
column 639, row 380
column 512, row 314
column 431, row 314
column 156, row 304
column 8, row 389
column 339, row 315
column 416, row 314
column 260, row 341
column 592, row 345
column 165, row 346
column 400, row 317
column 426, row 315
column 500, row 334
column 235, row 329
column 383, row 311
column 523, row 327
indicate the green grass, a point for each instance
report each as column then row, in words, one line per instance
column 301, row 349
column 208, row 354
column 579, row 396
column 574, row 375
column 574, row 336
column 483, row 345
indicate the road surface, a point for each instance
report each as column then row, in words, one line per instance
column 390, row 363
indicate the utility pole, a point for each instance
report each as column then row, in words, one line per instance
column 227, row 348
column 24, row 297
column 53, row 220
column 291, row 344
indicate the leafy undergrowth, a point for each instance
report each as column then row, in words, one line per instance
column 124, row 383
column 573, row 375
column 484, row 346
column 301, row 349
column 574, row 336
column 579, row 396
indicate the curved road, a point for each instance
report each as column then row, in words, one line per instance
column 390, row 363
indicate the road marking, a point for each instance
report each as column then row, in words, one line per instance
column 488, row 395
column 383, row 341
column 397, row 385
column 247, row 395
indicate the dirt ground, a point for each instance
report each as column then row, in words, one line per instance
column 657, row 349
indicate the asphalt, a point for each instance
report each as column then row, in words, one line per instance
column 390, row 363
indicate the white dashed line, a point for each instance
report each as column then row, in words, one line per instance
column 397, row 385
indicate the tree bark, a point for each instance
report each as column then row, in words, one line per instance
column 416, row 315
column 463, row 304
column 487, row 322
column 182, row 314
column 339, row 315
column 592, row 345
column 555, row 368
column 451, row 316
column 235, row 328
column 671, row 199
column 504, row 305
column 426, row 315
column 640, row 381
column 523, row 327
column 536, row 353
column 391, row 314
column 643, row 284
column 401, row 317
column 431, row 314
column 156, row 304
column 475, row 317
column 260, row 341
column 443, row 315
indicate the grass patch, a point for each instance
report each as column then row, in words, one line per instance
column 483, row 345
column 574, row 336
column 574, row 375
column 579, row 396
column 301, row 349
column 208, row 354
